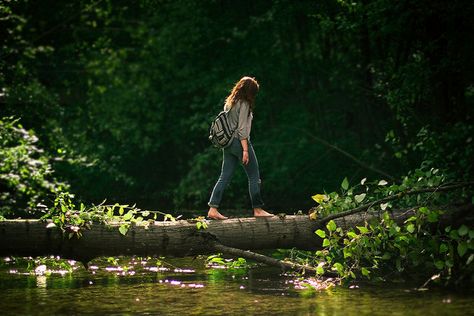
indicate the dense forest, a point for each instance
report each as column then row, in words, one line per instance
column 113, row 99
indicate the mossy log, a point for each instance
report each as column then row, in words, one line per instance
column 179, row 238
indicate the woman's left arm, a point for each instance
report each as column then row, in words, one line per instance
column 243, row 130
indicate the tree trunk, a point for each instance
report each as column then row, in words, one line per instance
column 180, row 238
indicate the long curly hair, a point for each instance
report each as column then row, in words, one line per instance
column 245, row 89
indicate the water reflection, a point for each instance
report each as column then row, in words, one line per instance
column 186, row 286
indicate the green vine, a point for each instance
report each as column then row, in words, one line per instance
column 72, row 221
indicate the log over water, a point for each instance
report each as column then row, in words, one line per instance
column 180, row 238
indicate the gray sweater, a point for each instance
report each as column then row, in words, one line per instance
column 240, row 119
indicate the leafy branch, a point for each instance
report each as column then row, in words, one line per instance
column 72, row 221
column 420, row 242
column 441, row 188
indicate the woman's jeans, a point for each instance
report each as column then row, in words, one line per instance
column 233, row 156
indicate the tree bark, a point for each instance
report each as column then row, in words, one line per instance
column 180, row 238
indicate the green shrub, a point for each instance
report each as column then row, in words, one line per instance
column 26, row 175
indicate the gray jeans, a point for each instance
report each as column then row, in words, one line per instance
column 232, row 155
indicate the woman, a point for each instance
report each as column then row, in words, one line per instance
column 240, row 104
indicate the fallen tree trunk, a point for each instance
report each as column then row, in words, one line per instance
column 180, row 238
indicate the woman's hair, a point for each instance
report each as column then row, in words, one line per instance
column 245, row 89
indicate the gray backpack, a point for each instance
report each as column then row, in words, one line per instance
column 220, row 133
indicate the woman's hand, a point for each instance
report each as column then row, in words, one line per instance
column 245, row 151
column 245, row 157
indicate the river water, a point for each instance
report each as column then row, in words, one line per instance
column 186, row 286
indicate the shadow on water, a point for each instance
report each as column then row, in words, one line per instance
column 186, row 286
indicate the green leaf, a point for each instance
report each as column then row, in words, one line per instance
column 121, row 211
column 463, row 230
column 423, row 210
column 383, row 206
column 382, row 182
column 462, row 248
column 128, row 216
column 170, row 217
column 331, row 226
column 347, row 253
column 123, row 229
column 326, row 242
column 365, row 272
column 351, row 235
column 319, row 198
column 386, row 256
column 439, row 264
column 443, row 248
column 454, row 234
column 345, row 184
column 402, row 238
column 337, row 266
column 320, row 270
column 432, row 217
column 360, row 197
column 411, row 228
column 471, row 233
column 363, row 229
column 218, row 260
column 321, row 233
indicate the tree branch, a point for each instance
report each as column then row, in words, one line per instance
column 394, row 197
column 283, row 265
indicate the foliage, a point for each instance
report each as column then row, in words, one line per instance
column 72, row 220
column 218, row 261
column 26, row 173
column 132, row 87
column 421, row 245
column 40, row 265
column 201, row 223
column 369, row 193
column 452, row 148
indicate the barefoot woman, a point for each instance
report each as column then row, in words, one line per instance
column 240, row 104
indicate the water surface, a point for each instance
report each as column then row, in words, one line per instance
column 187, row 287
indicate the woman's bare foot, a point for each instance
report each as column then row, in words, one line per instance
column 214, row 214
column 258, row 212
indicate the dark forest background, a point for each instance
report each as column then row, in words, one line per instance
column 120, row 94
